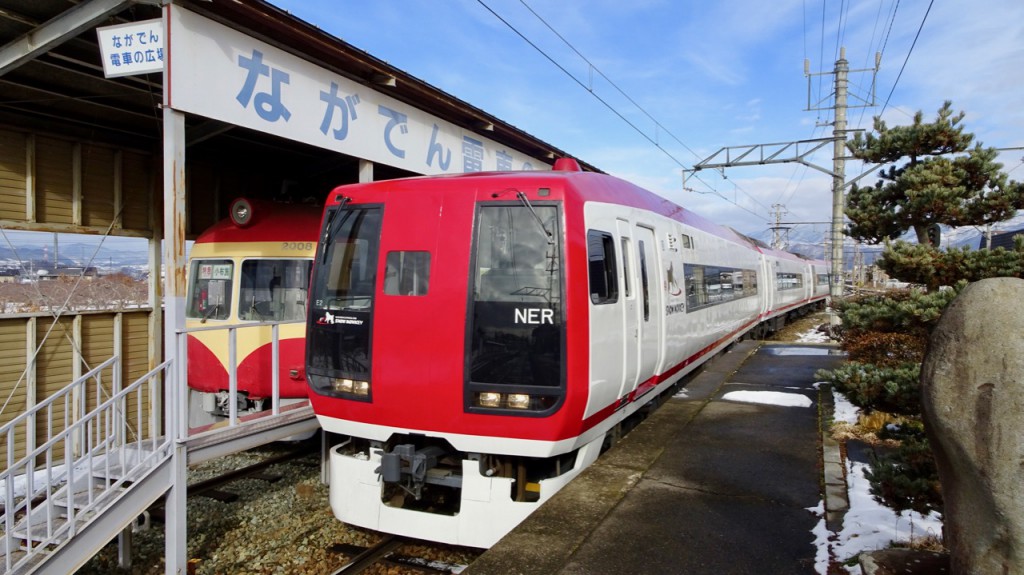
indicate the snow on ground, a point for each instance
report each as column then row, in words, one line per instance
column 813, row 336
column 769, row 398
column 868, row 525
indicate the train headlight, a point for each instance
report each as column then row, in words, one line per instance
column 342, row 385
column 241, row 212
column 352, row 386
column 519, row 400
column 489, row 399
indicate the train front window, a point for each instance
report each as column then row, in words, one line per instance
column 273, row 290
column 339, row 333
column 515, row 337
column 209, row 289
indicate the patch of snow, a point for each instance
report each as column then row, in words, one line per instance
column 769, row 398
column 813, row 336
column 844, row 410
column 868, row 525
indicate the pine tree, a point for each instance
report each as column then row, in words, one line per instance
column 935, row 177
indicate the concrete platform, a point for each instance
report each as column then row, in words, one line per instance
column 704, row 485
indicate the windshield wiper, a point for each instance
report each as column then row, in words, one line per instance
column 333, row 226
column 210, row 312
column 526, row 202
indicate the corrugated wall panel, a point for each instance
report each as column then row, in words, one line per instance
column 137, row 190
column 53, row 372
column 135, row 342
column 97, row 347
column 54, row 180
column 12, row 175
column 13, row 384
column 97, row 185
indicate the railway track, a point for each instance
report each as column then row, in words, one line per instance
column 384, row 556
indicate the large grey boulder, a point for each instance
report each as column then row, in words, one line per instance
column 972, row 387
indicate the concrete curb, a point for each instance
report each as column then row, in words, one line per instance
column 836, row 495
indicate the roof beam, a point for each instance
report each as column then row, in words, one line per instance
column 58, row 30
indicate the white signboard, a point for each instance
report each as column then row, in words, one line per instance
column 220, row 73
column 133, row 48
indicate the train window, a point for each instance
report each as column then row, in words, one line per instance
column 787, row 280
column 407, row 273
column 273, row 289
column 643, row 281
column 604, row 286
column 687, row 242
column 210, row 289
column 349, row 270
column 712, row 285
column 515, row 331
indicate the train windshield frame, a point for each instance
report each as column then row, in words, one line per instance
column 515, row 328
column 273, row 289
column 210, row 289
column 339, row 332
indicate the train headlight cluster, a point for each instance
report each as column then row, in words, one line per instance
column 496, row 400
column 353, row 386
column 340, row 386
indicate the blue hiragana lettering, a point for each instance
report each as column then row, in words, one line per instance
column 444, row 156
column 472, row 155
column 346, row 107
column 527, row 166
column 116, row 41
column 268, row 105
column 398, row 120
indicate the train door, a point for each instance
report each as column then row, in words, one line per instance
column 630, row 310
column 650, row 309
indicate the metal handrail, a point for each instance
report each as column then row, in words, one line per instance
column 101, row 439
column 233, row 330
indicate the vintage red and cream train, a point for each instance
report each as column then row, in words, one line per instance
column 474, row 340
column 246, row 273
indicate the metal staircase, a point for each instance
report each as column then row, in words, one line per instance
column 81, row 466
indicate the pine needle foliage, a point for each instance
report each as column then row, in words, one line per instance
column 936, row 174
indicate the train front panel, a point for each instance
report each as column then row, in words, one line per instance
column 243, row 278
column 439, row 346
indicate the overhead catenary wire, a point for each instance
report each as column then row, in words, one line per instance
column 907, row 59
column 608, row 104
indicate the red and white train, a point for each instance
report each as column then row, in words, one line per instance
column 247, row 272
column 475, row 338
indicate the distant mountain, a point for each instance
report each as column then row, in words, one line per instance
column 116, row 254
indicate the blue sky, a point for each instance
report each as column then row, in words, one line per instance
column 710, row 74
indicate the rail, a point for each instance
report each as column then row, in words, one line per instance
column 86, row 459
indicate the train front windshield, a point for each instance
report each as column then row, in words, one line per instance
column 338, row 337
column 516, row 332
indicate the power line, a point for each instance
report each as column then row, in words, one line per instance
column 607, row 104
column 909, row 52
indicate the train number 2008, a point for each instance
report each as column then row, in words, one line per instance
column 306, row 246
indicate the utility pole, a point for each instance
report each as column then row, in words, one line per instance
column 839, row 174
column 799, row 151
column 777, row 230
column 839, row 183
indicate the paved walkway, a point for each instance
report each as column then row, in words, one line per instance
column 704, row 485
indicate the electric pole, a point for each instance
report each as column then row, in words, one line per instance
column 778, row 230
column 799, row 151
